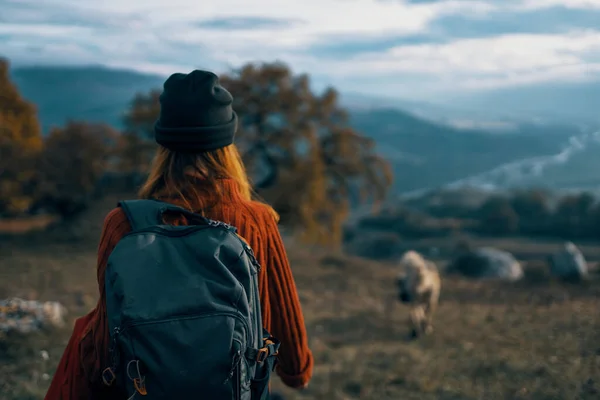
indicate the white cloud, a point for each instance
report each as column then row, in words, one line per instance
column 43, row 31
column 577, row 72
column 320, row 17
column 514, row 59
column 316, row 21
column 495, row 55
column 158, row 28
column 163, row 36
column 582, row 4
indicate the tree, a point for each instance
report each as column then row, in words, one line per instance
column 594, row 222
column 574, row 215
column 136, row 145
column 20, row 142
column 532, row 210
column 497, row 216
column 73, row 160
column 298, row 147
column 289, row 133
column 142, row 114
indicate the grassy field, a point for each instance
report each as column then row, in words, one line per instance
column 535, row 339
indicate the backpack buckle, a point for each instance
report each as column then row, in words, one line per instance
column 139, row 382
column 271, row 348
column 271, row 343
column 262, row 355
column 108, row 376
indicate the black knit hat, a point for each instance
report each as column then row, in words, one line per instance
column 195, row 113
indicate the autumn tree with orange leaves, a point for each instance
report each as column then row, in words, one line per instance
column 73, row 160
column 136, row 145
column 298, row 147
column 57, row 173
column 300, row 150
column 20, row 144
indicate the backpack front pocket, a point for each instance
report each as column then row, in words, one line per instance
column 183, row 356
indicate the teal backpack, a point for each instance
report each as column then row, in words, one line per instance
column 183, row 310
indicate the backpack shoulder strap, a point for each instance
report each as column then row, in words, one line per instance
column 145, row 213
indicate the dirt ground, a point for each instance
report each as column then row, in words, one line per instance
column 535, row 339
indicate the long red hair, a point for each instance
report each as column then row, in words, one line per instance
column 193, row 179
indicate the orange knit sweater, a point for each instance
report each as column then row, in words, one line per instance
column 78, row 375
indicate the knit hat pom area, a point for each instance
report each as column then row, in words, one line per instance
column 196, row 113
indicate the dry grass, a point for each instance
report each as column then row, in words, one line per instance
column 536, row 339
column 22, row 225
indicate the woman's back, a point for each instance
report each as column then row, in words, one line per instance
column 254, row 223
column 209, row 178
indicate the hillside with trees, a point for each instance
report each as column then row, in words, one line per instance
column 303, row 154
column 532, row 214
column 299, row 148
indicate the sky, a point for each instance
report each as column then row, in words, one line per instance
column 418, row 49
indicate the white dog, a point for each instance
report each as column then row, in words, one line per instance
column 419, row 287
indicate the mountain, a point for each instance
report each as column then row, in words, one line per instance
column 447, row 114
column 427, row 154
column 574, row 167
column 424, row 152
column 555, row 102
column 91, row 93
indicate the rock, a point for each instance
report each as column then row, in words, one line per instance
column 25, row 316
column 569, row 263
column 487, row 263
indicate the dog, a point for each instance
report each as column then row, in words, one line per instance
column 419, row 287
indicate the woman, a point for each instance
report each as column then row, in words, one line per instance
column 198, row 167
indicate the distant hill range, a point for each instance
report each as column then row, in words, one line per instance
column 87, row 93
column 425, row 151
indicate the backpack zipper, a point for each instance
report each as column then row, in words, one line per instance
column 117, row 331
column 250, row 254
column 130, row 324
column 238, row 378
column 113, row 351
column 247, row 248
column 213, row 222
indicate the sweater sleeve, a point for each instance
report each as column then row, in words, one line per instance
column 78, row 373
column 287, row 321
column 69, row 375
column 94, row 343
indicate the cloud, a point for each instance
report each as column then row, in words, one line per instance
column 400, row 47
column 528, row 4
column 247, row 23
column 495, row 55
column 581, row 4
column 134, row 26
column 500, row 61
column 545, row 20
